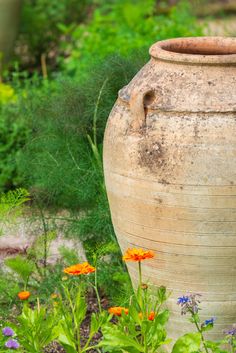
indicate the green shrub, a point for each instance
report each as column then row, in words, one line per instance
column 41, row 21
column 58, row 161
column 8, row 294
column 123, row 26
column 13, row 136
column 16, row 104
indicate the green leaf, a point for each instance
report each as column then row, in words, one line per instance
column 65, row 335
column 207, row 327
column 36, row 329
column 215, row 346
column 66, row 343
column 134, row 314
column 113, row 337
column 189, row 343
column 21, row 266
column 163, row 317
column 94, row 324
column 80, row 307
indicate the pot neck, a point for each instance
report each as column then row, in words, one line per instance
column 196, row 50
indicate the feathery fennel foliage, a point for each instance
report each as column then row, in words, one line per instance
column 59, row 163
column 62, row 162
column 11, row 205
column 22, row 267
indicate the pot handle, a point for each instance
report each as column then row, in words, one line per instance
column 140, row 100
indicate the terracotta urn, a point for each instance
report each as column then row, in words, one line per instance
column 170, row 173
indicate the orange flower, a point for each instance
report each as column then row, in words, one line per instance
column 151, row 316
column 140, row 315
column 138, row 255
column 55, row 296
column 23, row 295
column 117, row 310
column 80, row 269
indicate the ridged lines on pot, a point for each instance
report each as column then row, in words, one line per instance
column 202, row 229
column 176, row 199
column 152, row 185
column 206, row 250
column 210, row 292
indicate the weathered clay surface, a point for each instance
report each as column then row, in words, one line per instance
column 170, row 171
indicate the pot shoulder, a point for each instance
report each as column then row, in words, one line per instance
column 185, row 87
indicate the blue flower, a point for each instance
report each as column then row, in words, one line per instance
column 231, row 331
column 210, row 321
column 183, row 300
column 189, row 303
column 7, row 331
column 12, row 344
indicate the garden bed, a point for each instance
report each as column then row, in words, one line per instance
column 92, row 306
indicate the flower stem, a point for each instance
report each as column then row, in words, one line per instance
column 145, row 344
column 95, row 115
column 96, row 288
column 91, row 347
column 140, row 273
column 140, row 292
column 202, row 337
column 74, row 318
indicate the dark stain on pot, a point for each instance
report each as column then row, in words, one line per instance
column 163, row 181
column 154, row 156
column 158, row 199
column 196, row 131
column 151, row 156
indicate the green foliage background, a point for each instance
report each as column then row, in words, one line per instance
column 124, row 26
column 41, row 22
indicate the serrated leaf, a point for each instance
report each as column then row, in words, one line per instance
column 114, row 337
column 189, row 343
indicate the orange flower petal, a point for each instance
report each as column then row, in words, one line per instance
column 117, row 310
column 80, row 269
column 138, row 255
column 23, row 295
column 151, row 316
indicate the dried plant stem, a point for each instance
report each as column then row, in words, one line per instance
column 44, row 66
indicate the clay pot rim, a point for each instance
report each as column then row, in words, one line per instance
column 196, row 50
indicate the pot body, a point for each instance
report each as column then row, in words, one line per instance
column 9, row 21
column 170, row 173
